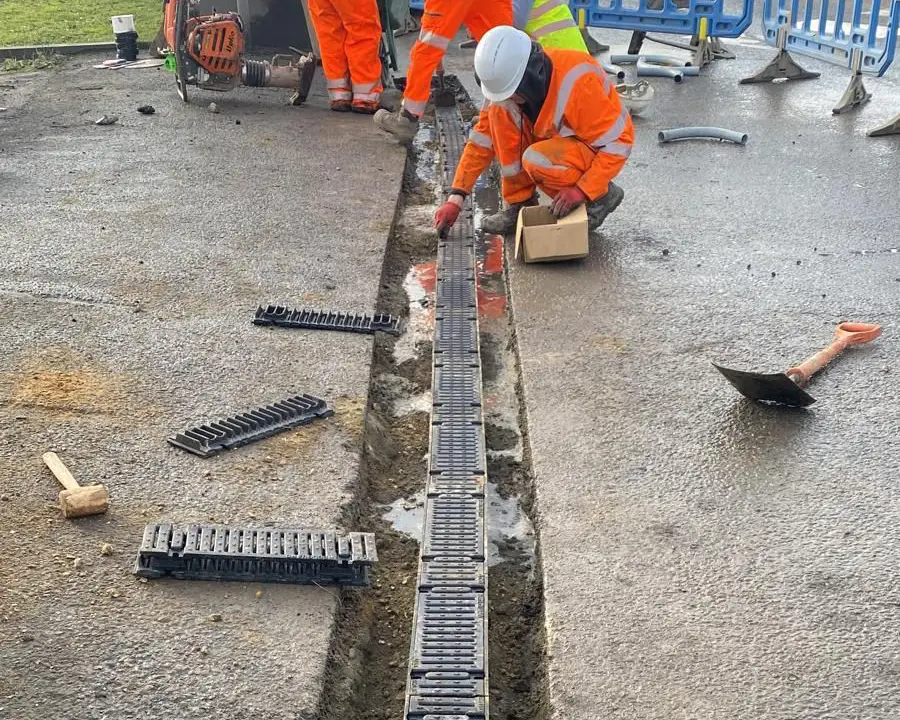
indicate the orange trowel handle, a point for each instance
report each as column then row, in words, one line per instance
column 846, row 334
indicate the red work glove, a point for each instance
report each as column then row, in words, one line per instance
column 567, row 200
column 447, row 214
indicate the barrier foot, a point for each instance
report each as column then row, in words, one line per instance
column 719, row 51
column 854, row 96
column 782, row 67
column 891, row 127
column 637, row 41
column 593, row 46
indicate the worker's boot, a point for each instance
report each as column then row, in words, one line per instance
column 603, row 206
column 365, row 107
column 402, row 125
column 341, row 106
column 504, row 222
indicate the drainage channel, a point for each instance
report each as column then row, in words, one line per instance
column 367, row 676
column 448, row 664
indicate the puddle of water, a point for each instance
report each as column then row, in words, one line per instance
column 419, row 287
column 505, row 521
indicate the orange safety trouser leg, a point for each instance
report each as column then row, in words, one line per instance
column 440, row 22
column 486, row 15
column 332, row 36
column 363, row 26
column 560, row 162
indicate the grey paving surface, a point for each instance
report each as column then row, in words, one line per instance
column 706, row 558
column 132, row 258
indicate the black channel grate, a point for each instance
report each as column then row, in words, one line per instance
column 281, row 316
column 237, row 430
column 255, row 554
column 448, row 669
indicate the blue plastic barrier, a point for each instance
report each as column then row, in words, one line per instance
column 833, row 37
column 858, row 34
column 680, row 17
column 417, row 4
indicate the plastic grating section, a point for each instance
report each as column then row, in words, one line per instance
column 280, row 316
column 255, row 554
column 448, row 669
column 237, row 430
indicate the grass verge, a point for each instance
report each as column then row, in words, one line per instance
column 52, row 22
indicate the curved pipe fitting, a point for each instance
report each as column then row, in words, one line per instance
column 648, row 70
column 611, row 69
column 703, row 133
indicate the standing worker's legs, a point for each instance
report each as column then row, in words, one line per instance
column 560, row 162
column 332, row 37
column 488, row 14
column 361, row 46
column 440, row 22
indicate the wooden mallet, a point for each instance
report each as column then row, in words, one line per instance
column 76, row 500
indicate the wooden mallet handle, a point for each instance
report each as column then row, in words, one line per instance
column 60, row 471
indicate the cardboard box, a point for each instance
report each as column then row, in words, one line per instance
column 540, row 237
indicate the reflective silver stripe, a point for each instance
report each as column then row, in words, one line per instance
column 617, row 148
column 614, row 132
column 566, row 131
column 538, row 10
column 366, row 97
column 535, row 157
column 431, row 38
column 414, row 107
column 553, row 27
column 513, row 111
column 568, row 83
column 364, row 87
column 339, row 94
column 341, row 84
column 511, row 169
column 479, row 138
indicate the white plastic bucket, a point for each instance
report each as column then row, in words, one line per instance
column 122, row 23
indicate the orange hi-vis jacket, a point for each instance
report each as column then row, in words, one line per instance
column 589, row 130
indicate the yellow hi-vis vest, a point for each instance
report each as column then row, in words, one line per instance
column 549, row 22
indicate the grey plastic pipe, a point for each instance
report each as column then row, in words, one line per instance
column 647, row 70
column 686, row 70
column 612, row 69
column 625, row 59
column 704, row 133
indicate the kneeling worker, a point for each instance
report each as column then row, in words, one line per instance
column 553, row 121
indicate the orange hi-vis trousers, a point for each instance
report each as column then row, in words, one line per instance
column 440, row 23
column 349, row 33
column 561, row 162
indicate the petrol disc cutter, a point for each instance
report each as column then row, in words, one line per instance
column 787, row 388
column 209, row 54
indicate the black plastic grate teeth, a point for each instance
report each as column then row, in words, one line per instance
column 237, row 430
column 281, row 316
column 448, row 660
column 255, row 554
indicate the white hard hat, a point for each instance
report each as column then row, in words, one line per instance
column 500, row 60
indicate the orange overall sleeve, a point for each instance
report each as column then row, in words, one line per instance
column 477, row 155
